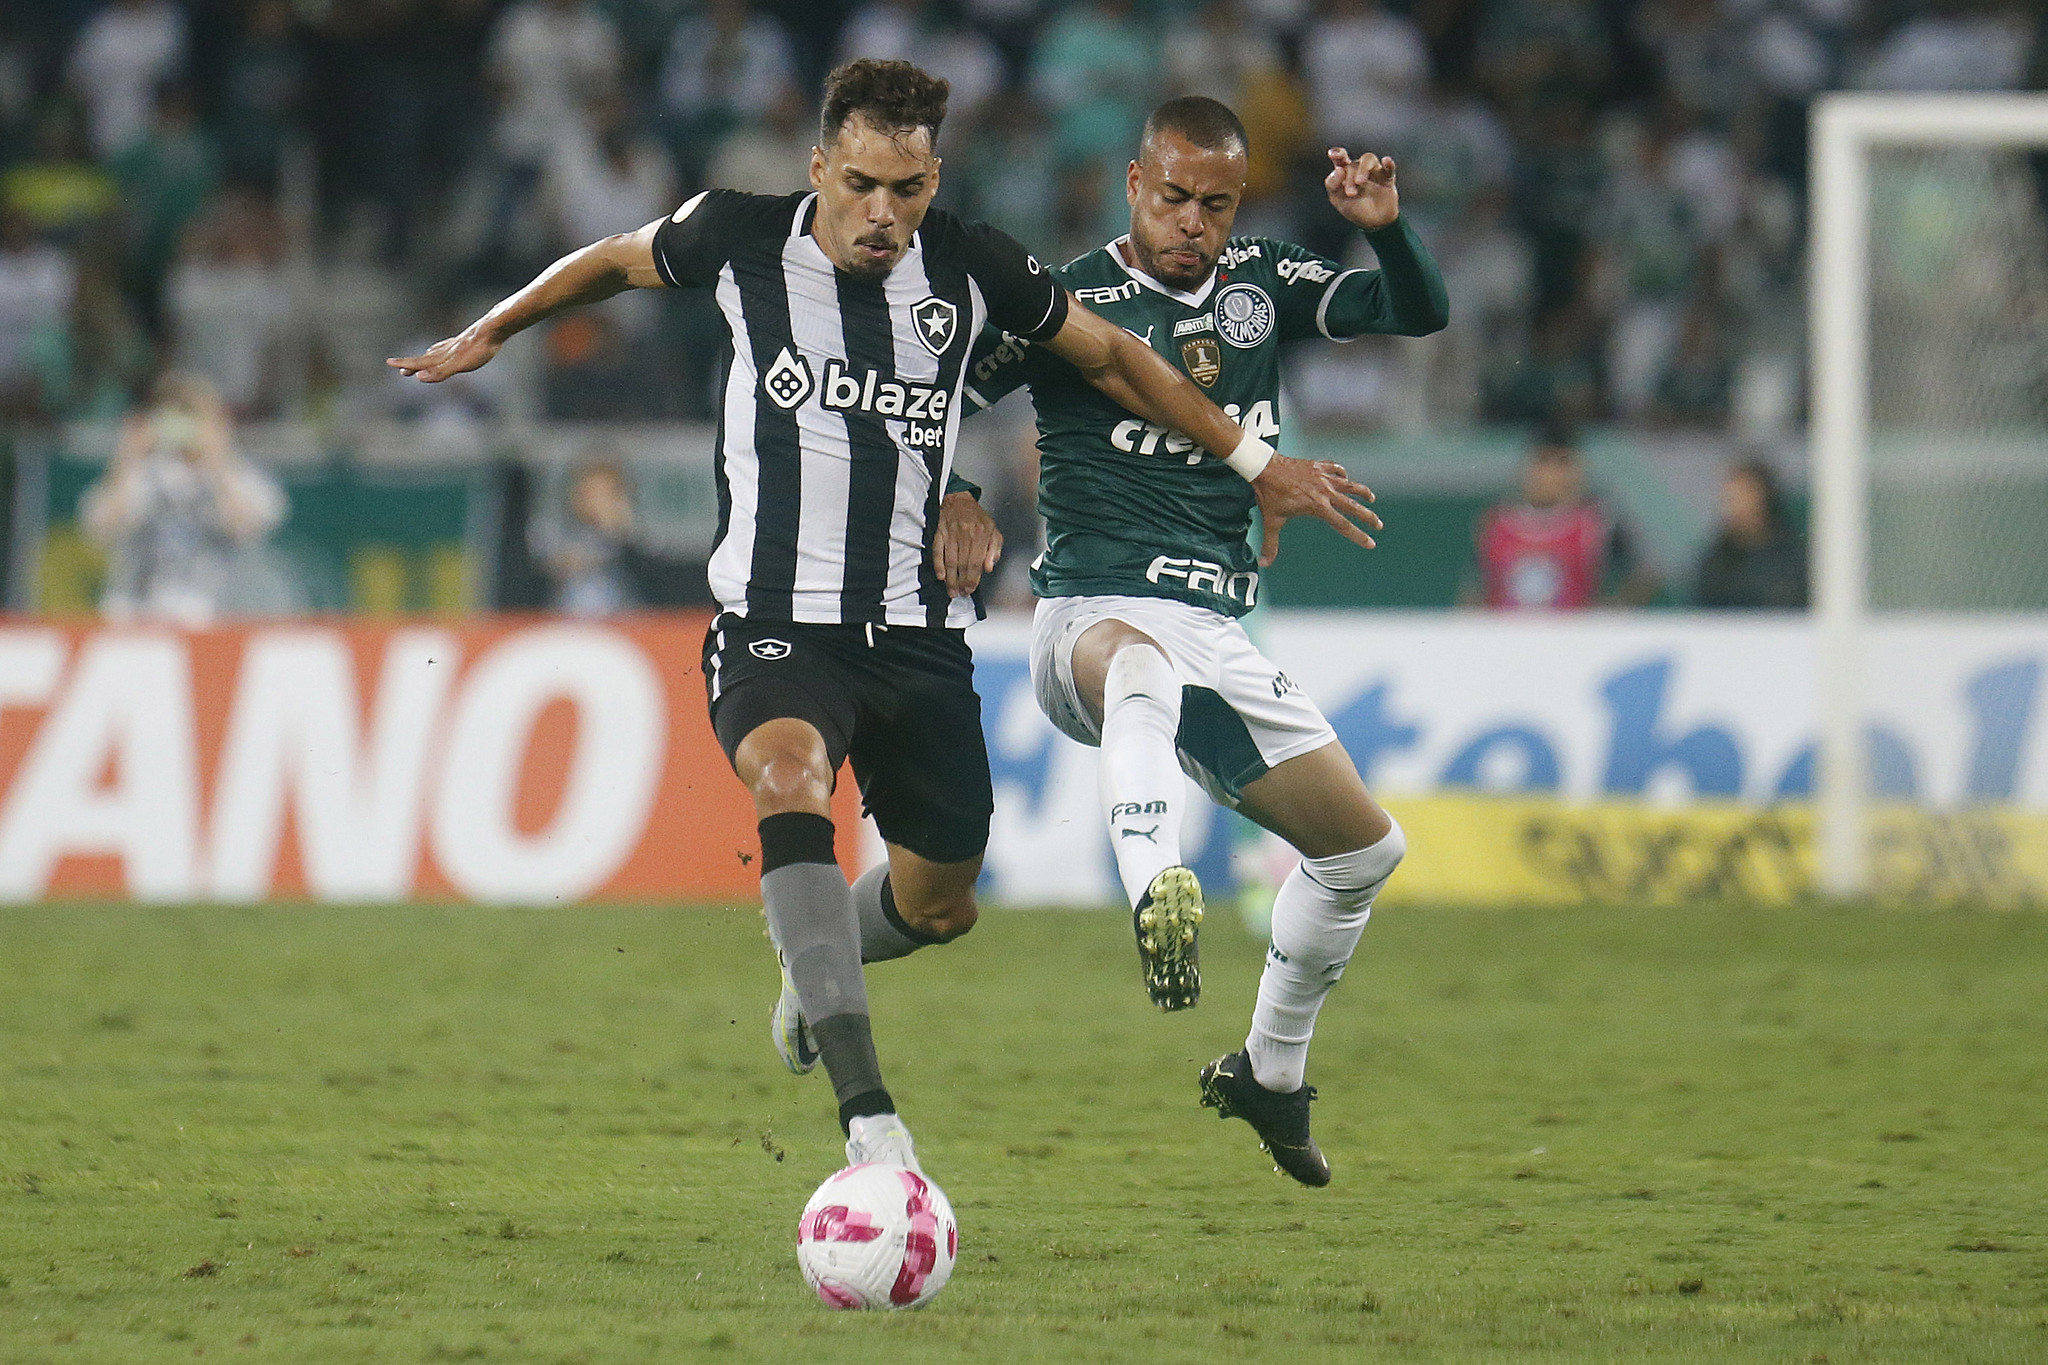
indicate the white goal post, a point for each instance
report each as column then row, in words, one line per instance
column 1846, row 128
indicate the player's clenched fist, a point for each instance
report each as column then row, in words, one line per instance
column 1363, row 190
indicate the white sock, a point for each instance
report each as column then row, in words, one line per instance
column 1317, row 918
column 1142, row 786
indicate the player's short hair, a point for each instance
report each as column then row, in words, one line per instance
column 895, row 97
column 1206, row 123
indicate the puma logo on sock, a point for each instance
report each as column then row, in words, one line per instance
column 1151, row 835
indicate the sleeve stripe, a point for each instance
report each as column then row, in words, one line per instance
column 1059, row 295
column 661, row 261
column 1323, row 307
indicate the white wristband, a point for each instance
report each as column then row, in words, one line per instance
column 1250, row 458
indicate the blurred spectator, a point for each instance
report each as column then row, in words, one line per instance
column 1699, row 378
column 1367, row 71
column 547, row 63
column 1094, row 71
column 177, row 509
column 166, row 179
column 58, row 187
column 1221, row 54
column 1650, row 242
column 606, row 177
column 1959, row 45
column 1559, row 179
column 229, row 303
column 1558, row 379
column 1556, row 548
column 585, row 553
column 37, row 284
column 1216, row 53
column 1009, row 174
column 772, row 156
column 1011, row 25
column 922, row 31
column 262, row 92
column 725, row 66
column 1529, row 53
column 1701, row 55
column 1757, row 560
column 122, row 56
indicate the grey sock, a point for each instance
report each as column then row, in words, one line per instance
column 847, row 1045
column 883, row 934
column 810, row 915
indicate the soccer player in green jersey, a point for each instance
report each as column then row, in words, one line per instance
column 1136, row 643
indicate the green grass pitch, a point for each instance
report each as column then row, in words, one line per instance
column 300, row 1134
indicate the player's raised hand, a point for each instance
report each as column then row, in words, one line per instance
column 1288, row 488
column 467, row 350
column 1363, row 190
column 966, row 545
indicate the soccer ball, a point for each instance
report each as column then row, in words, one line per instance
column 877, row 1236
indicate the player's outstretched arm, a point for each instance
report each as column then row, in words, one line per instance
column 591, row 275
column 1139, row 379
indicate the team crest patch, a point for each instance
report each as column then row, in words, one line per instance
column 937, row 319
column 768, row 649
column 788, row 381
column 1244, row 314
column 1204, row 359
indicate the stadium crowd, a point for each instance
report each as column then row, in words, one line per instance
column 274, row 194
column 1614, row 186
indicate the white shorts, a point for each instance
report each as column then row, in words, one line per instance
column 1240, row 715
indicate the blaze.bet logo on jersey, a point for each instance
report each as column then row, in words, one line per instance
column 788, row 381
column 1244, row 314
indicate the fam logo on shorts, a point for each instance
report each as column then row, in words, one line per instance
column 788, row 380
column 1244, row 314
column 936, row 320
column 769, row 649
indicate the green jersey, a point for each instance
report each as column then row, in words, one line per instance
column 1135, row 510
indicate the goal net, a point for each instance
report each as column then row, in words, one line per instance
column 1929, row 277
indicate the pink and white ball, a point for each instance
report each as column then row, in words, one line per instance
column 877, row 1236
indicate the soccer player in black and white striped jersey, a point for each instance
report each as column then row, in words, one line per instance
column 843, row 564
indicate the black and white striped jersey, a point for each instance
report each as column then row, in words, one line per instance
column 842, row 401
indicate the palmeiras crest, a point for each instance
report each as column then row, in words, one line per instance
column 937, row 319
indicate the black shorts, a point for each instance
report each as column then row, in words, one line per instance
column 899, row 702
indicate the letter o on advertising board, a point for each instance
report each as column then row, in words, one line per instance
column 620, row 743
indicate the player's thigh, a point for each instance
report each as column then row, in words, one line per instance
column 1317, row 802
column 1095, row 649
column 779, row 699
column 1073, row 640
column 918, row 751
column 1245, row 718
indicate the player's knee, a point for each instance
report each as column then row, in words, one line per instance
column 788, row 782
column 945, row 918
column 1362, row 868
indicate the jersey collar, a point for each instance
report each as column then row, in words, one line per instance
column 1192, row 300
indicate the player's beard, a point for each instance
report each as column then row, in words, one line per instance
column 867, row 268
column 1167, row 270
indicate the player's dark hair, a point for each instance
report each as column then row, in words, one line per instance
column 1206, row 123
column 895, row 97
